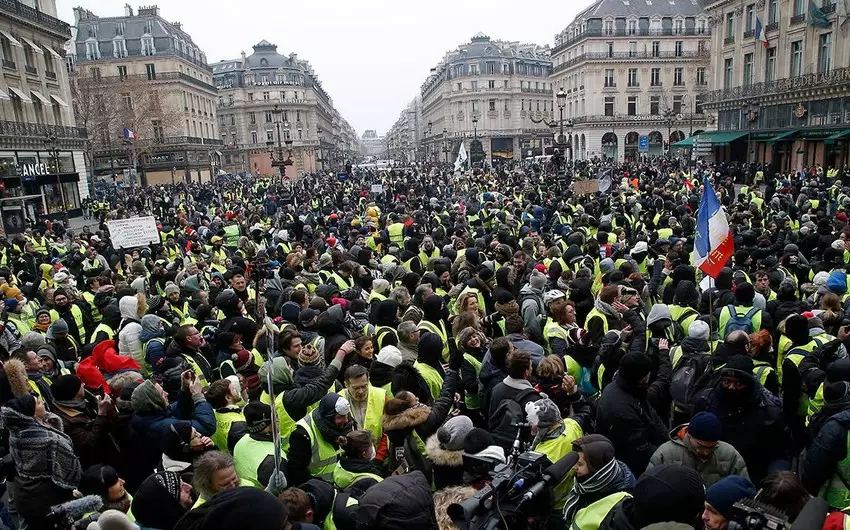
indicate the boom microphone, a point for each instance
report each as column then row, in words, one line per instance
column 77, row 508
column 552, row 475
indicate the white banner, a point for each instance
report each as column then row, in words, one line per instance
column 133, row 232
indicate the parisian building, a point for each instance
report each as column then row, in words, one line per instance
column 270, row 104
column 496, row 93
column 781, row 95
column 143, row 84
column 42, row 160
column 633, row 72
column 405, row 139
column 373, row 146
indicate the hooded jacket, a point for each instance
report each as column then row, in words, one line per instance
column 332, row 326
column 401, row 502
column 152, row 329
column 128, row 338
column 724, row 460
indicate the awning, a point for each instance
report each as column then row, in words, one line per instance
column 687, row 142
column 40, row 97
column 59, row 100
column 53, row 52
column 17, row 92
column 35, row 47
column 715, row 138
column 12, row 40
column 783, row 137
column 837, row 136
column 816, row 134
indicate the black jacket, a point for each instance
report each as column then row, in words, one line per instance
column 503, row 391
column 825, row 452
column 625, row 417
column 401, row 502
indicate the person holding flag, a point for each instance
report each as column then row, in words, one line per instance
column 713, row 242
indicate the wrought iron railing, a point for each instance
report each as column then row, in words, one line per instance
column 16, row 128
column 837, row 77
column 617, row 56
column 33, row 15
column 798, row 19
column 624, row 32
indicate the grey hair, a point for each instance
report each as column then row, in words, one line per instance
column 399, row 294
column 406, row 328
column 205, row 467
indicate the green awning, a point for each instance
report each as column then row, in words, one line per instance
column 836, row 136
column 687, row 142
column 715, row 138
column 783, row 137
column 816, row 134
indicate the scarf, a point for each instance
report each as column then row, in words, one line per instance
column 544, row 435
column 595, row 483
column 606, row 309
column 511, row 308
column 329, row 429
column 42, row 328
column 79, row 406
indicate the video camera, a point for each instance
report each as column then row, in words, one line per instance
column 751, row 514
column 518, row 497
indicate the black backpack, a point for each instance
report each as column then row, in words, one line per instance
column 679, row 331
column 691, row 377
column 507, row 415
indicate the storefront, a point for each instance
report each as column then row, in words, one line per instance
column 27, row 175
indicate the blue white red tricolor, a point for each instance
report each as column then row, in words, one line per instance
column 713, row 245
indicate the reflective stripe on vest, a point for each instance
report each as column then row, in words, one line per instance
column 344, row 478
column 594, row 313
column 432, row 378
column 110, row 333
column 223, row 421
column 324, row 457
column 373, row 421
column 77, row 313
column 248, row 454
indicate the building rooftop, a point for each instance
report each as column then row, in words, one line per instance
column 641, row 8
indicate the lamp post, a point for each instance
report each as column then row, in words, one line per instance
column 751, row 113
column 669, row 115
column 427, row 134
column 561, row 141
column 446, row 145
column 53, row 146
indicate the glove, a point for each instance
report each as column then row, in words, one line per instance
column 277, row 483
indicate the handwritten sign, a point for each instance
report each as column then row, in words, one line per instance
column 134, row 232
column 586, row 187
column 377, row 188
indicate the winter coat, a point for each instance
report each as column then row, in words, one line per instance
column 444, row 498
column 624, row 416
column 446, row 466
column 825, row 452
column 724, row 460
column 401, row 502
column 752, row 423
column 490, row 376
column 90, row 434
column 510, row 388
column 128, row 338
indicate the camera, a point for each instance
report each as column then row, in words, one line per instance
column 519, row 495
column 751, row 514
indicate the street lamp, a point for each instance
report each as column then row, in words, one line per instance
column 475, row 127
column 669, row 115
column 751, row 110
column 446, row 144
column 427, row 134
column 53, row 146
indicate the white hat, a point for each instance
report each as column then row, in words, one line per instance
column 389, row 355
column 640, row 246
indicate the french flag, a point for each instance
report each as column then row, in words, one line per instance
column 129, row 134
column 760, row 33
column 713, row 245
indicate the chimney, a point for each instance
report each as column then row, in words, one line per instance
column 293, row 57
column 243, row 56
column 128, row 10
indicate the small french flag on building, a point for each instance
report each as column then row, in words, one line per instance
column 760, row 33
column 129, row 134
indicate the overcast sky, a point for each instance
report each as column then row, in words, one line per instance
column 371, row 55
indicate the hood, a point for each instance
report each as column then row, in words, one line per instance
column 406, row 419
column 112, row 316
column 386, row 313
column 837, row 282
column 686, row 294
column 724, row 279
column 527, row 289
column 129, row 307
column 289, row 311
column 683, row 273
column 323, row 493
column 331, row 322
column 692, row 345
column 658, row 312
column 152, row 325
column 572, row 253
column 146, row 398
column 440, row 456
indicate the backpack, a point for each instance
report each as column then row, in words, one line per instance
column 691, row 376
column 507, row 415
column 679, row 331
column 740, row 322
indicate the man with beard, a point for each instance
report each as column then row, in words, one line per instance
column 70, row 313
column 751, row 419
column 314, row 444
column 179, row 306
column 427, row 252
column 104, row 481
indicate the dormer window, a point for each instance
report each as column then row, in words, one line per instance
column 148, row 27
column 148, row 47
column 119, row 47
column 92, row 50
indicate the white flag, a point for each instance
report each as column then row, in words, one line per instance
column 461, row 156
column 604, row 177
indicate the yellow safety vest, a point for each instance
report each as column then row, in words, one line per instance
column 835, row 492
column 591, row 516
column 553, row 330
column 248, row 454
column 324, row 457
column 78, row 319
column 396, row 233
column 104, row 328
column 595, row 313
column 95, row 313
column 373, row 422
column 725, row 315
column 285, row 423
column 223, row 421
column 344, row 478
column 556, row 449
column 432, row 377
column 426, row 325
column 472, row 401
column 231, row 233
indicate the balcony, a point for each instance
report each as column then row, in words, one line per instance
column 729, row 40
column 536, row 90
column 749, row 34
column 666, row 32
column 50, row 75
column 165, row 76
column 32, row 70
column 9, row 64
column 772, row 27
column 629, row 56
column 27, row 13
column 798, row 19
column 634, row 84
column 828, row 9
column 159, row 53
column 36, row 130
column 834, row 78
column 610, row 85
column 659, row 118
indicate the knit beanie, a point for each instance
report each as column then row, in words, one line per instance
column 669, row 492
column 389, row 355
column 60, row 326
column 146, row 398
column 705, row 427
column 97, row 480
column 578, row 336
column 502, row 296
column 477, row 440
column 634, row 366
column 258, row 416
column 176, row 440
column 22, row 405
column 723, row 494
column 241, row 360
column 537, row 280
column 171, row 288
column 112, row 520
column 453, row 433
column 739, row 365
column 797, row 328
column 12, row 292
column 32, row 340
column 65, row 387
column 597, row 450
column 10, row 304
column 309, row 357
column 465, row 334
column 699, row 330
column 155, row 303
